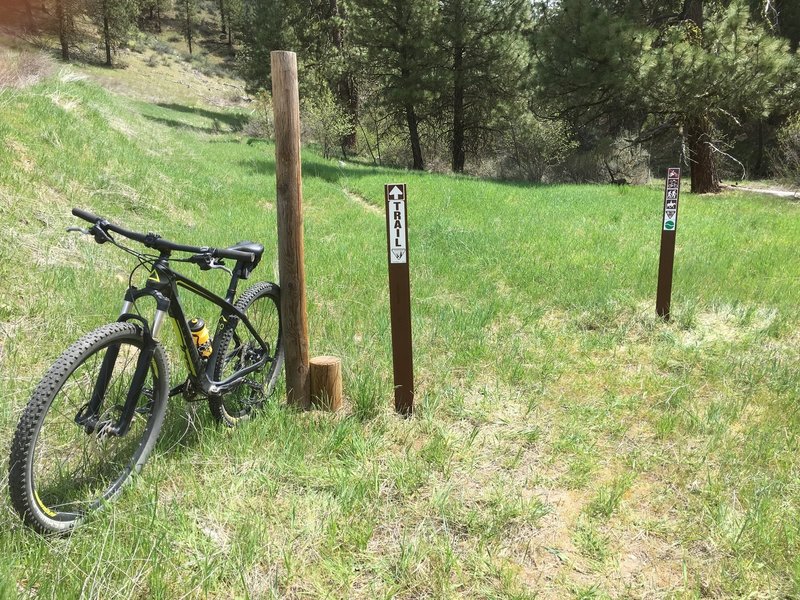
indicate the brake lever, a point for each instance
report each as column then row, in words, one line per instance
column 79, row 230
column 206, row 262
column 218, row 265
column 100, row 235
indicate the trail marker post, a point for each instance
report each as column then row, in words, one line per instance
column 669, row 227
column 399, row 297
column 291, row 265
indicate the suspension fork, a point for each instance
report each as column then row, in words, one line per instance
column 88, row 415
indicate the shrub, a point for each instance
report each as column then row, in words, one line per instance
column 531, row 147
column 787, row 159
column 161, row 47
column 324, row 122
column 261, row 125
column 606, row 161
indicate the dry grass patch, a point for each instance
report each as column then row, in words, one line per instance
column 22, row 67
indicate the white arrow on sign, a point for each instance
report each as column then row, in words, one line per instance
column 398, row 255
column 396, row 193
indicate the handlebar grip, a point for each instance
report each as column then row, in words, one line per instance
column 234, row 255
column 85, row 215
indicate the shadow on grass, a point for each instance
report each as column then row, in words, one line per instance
column 311, row 168
column 236, row 121
column 334, row 173
column 337, row 172
column 213, row 130
column 258, row 166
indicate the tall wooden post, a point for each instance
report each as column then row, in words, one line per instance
column 286, row 110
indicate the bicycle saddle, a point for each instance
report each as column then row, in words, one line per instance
column 244, row 269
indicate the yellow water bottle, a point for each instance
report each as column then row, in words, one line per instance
column 200, row 336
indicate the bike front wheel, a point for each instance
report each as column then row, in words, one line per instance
column 238, row 349
column 64, row 465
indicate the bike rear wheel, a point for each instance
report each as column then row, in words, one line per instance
column 61, row 470
column 239, row 349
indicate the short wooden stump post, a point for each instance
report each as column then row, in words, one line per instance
column 325, row 373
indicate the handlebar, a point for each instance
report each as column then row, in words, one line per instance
column 152, row 240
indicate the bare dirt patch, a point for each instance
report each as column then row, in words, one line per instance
column 724, row 325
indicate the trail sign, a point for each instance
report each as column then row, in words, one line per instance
column 396, row 216
column 399, row 297
column 672, row 192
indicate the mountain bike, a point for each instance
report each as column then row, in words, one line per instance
column 95, row 416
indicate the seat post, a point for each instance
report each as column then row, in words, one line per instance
column 231, row 293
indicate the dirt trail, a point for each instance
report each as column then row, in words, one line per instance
column 771, row 191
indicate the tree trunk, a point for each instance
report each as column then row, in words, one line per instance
column 188, row 25
column 413, row 127
column 222, row 15
column 458, row 109
column 457, row 142
column 346, row 91
column 698, row 128
column 413, row 134
column 106, row 34
column 348, row 99
column 158, row 17
column 62, row 29
column 759, row 169
column 701, row 157
column 693, row 11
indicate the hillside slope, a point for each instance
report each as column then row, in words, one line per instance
column 566, row 444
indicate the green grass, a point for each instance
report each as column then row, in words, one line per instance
column 566, row 442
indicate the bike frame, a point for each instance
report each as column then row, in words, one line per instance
column 162, row 285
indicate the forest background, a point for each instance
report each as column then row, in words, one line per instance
column 556, row 91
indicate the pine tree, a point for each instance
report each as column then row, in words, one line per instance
column 233, row 15
column 713, row 70
column 66, row 11
column 486, row 63
column 188, row 13
column 342, row 78
column 699, row 70
column 400, row 55
column 153, row 10
column 263, row 26
column 114, row 19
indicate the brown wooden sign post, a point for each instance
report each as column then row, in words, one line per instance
column 399, row 297
column 669, row 227
column 286, row 108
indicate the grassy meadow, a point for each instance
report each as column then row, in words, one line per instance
column 566, row 443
